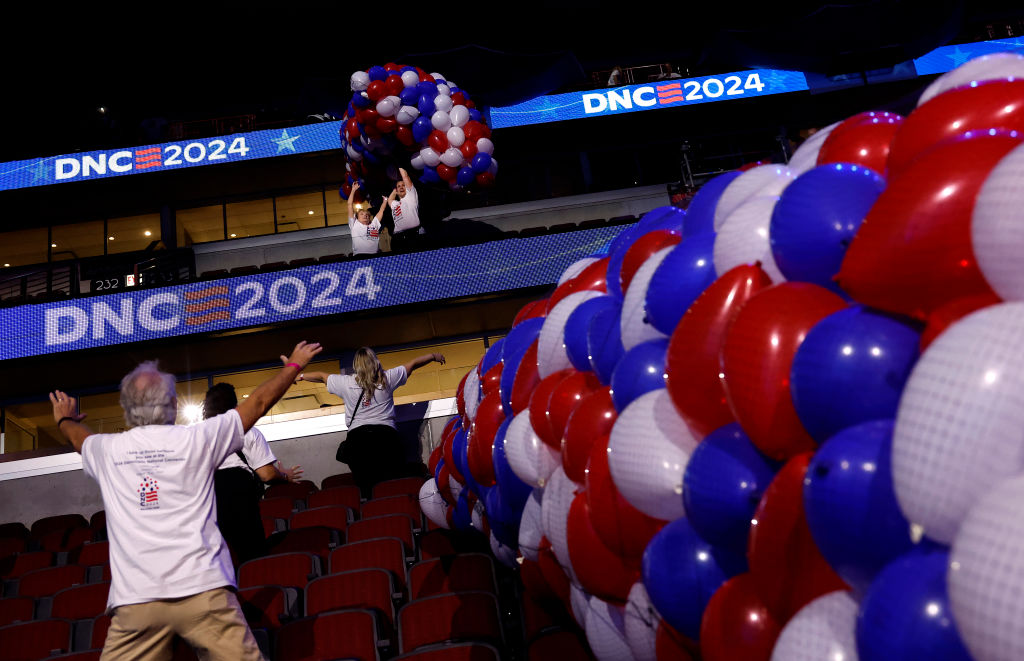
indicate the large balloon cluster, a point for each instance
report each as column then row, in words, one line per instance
column 787, row 423
column 402, row 115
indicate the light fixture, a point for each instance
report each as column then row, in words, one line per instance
column 53, row 245
column 148, row 233
column 310, row 212
column 192, row 413
column 102, row 110
column 6, row 264
column 233, row 235
column 110, row 238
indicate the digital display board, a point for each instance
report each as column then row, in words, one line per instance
column 312, row 291
column 947, row 58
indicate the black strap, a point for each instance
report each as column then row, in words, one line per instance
column 358, row 402
column 242, row 457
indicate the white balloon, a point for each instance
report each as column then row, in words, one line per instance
column 430, row 157
column 530, row 529
column 410, row 78
column 997, row 227
column 417, row 161
column 443, row 102
column 437, row 76
column 386, row 107
column 551, row 354
column 764, row 180
column 576, row 268
column 476, row 516
column 454, row 485
column 506, row 555
column 641, row 624
column 353, row 154
column 554, row 516
column 493, row 167
column 444, row 89
column 579, row 600
column 486, row 146
column 459, row 115
column 960, row 425
column 531, row 459
column 806, row 155
column 471, row 393
column 433, row 504
column 440, row 120
column 359, row 81
column 824, row 629
column 407, row 115
column 986, row 575
column 456, row 137
column 633, row 322
column 605, row 628
column 986, row 67
column 744, row 238
column 452, row 157
column 648, row 450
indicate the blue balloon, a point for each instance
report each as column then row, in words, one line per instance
column 575, row 335
column 421, row 129
column 360, row 101
column 681, row 277
column 426, row 104
column 640, row 370
column 723, row 483
column 491, row 357
column 906, row 616
column 409, row 96
column 437, row 473
column 474, row 114
column 409, row 68
column 440, row 81
column 700, row 215
column 462, row 515
column 430, row 175
column 604, row 343
column 508, row 379
column 377, row 72
column 521, row 336
column 514, row 492
column 681, row 571
column 427, row 87
column 851, row 504
column 665, row 217
column 816, row 217
column 460, row 445
column 616, row 253
column 851, row 368
column 502, row 522
column 480, row 162
column 465, row 176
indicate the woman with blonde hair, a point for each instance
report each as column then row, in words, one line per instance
column 373, row 450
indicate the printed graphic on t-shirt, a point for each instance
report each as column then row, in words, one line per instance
column 149, row 493
column 396, row 211
column 372, row 232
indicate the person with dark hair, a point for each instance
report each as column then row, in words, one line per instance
column 239, row 480
column 405, row 207
column 373, row 449
column 171, row 573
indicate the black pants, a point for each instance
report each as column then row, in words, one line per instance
column 238, row 513
column 374, row 453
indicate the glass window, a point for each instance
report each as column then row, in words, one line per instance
column 23, row 247
column 78, row 240
column 132, row 232
column 337, row 208
column 303, row 396
column 301, row 211
column 105, row 413
column 253, row 218
column 200, row 225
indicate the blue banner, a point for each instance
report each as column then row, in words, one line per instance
column 312, row 291
column 948, row 58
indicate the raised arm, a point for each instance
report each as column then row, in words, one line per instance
column 314, row 377
column 276, row 471
column 383, row 206
column 420, row 361
column 69, row 420
column 270, row 391
column 405, row 178
column 351, row 200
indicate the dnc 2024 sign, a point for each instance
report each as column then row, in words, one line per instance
column 312, row 291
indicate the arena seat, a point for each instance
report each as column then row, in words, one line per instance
column 385, row 553
column 561, row 227
column 98, row 521
column 401, row 504
column 561, row 645
column 15, row 530
column 347, row 495
column 436, row 543
column 294, row 490
column 80, row 601
column 68, row 539
column 268, row 606
column 593, row 222
column 328, row 516
column 457, row 617
column 88, row 655
column 273, row 266
column 212, row 274
column 334, row 257
column 248, row 269
column 16, row 609
column 60, row 522
column 10, row 546
column 318, row 540
column 403, row 485
column 288, row 569
column 339, row 480
column 621, row 220
column 302, row 261
column 93, row 553
column 532, row 231
column 49, row 581
column 277, row 508
column 468, row 572
column 19, row 565
column 29, row 641
column 371, row 589
column 392, row 525
column 91, row 634
column 335, row 635
column 459, row 652
column 270, row 525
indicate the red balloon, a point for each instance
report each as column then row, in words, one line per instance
column 489, row 416
column 471, row 104
column 371, row 130
column 491, row 382
column 787, row 568
column 390, row 67
column 438, row 141
column 994, row 104
column 751, row 165
column 670, row 645
column 526, row 380
column 376, row 90
column 600, row 572
column 404, row 135
column 539, row 419
column 444, row 487
column 393, row 85
column 435, row 456
column 949, row 313
column 564, row 399
column 446, row 173
column 622, row 528
column 352, row 128
column 756, row 359
column 864, row 141
column 693, row 364
column 468, row 150
column 912, row 254
column 448, row 447
column 386, row 124
column 473, row 130
column 553, row 573
column 531, row 310
column 591, row 420
column 426, row 77
column 449, row 513
column 641, row 250
column 592, row 278
column 485, row 179
column 737, row 624
column 460, row 396
column 459, row 99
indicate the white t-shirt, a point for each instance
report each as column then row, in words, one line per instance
column 380, row 410
column 406, row 210
column 256, row 450
column 157, row 486
column 364, row 237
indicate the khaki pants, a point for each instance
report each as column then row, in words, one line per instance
column 211, row 621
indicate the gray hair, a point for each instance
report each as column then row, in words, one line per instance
column 148, row 396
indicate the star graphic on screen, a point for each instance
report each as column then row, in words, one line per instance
column 39, row 171
column 286, row 141
column 958, row 56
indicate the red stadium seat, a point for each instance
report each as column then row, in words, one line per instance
column 269, row 525
column 561, row 645
column 330, row 516
column 60, row 522
column 317, row 540
column 370, row 589
column 344, row 495
column 461, row 616
column 18, row 565
column 461, row 652
column 436, row 544
column 338, row 635
column 340, row 480
column 66, row 539
column 294, row 490
column 393, row 525
column 29, row 641
column 15, row 530
column 98, row 521
column 49, row 581
column 11, row 545
column 409, row 486
column 80, row 602
column 288, row 569
column 402, row 504
column 386, row 553
column 266, row 606
column 93, row 553
column 93, row 633
column 90, row 655
column 278, row 508
column 468, row 572
column 16, row 609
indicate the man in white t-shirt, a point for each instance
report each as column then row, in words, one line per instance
column 365, row 230
column 171, row 570
column 405, row 207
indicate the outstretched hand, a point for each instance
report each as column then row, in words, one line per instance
column 65, row 406
column 302, row 354
column 293, row 474
column 439, row 357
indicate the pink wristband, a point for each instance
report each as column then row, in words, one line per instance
column 295, row 365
